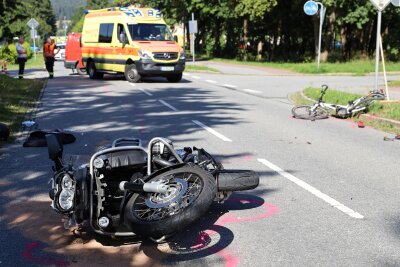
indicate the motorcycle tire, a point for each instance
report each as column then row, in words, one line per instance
column 188, row 212
column 237, row 180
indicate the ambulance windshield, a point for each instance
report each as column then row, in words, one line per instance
column 150, row 32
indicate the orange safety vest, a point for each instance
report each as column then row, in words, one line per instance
column 48, row 49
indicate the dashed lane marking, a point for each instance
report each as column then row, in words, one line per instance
column 334, row 203
column 211, row 81
column 168, row 105
column 196, row 77
column 252, row 91
column 212, row 131
column 144, row 91
column 230, row 85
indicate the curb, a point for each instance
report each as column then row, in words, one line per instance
column 372, row 117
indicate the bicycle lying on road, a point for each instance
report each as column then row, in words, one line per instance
column 320, row 109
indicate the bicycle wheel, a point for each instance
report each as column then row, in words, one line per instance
column 307, row 113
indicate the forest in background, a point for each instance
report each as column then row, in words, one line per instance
column 63, row 8
column 278, row 30
column 14, row 14
column 265, row 30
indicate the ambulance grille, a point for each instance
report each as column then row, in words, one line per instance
column 165, row 56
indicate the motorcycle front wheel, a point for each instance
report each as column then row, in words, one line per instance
column 191, row 192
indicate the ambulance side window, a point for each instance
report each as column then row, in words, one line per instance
column 106, row 32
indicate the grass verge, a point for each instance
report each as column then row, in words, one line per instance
column 30, row 64
column 386, row 110
column 395, row 83
column 200, row 68
column 16, row 99
column 356, row 67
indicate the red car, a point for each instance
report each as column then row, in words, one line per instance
column 73, row 53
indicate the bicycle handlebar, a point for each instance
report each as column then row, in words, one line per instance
column 323, row 91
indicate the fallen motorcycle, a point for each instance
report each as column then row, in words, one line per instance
column 126, row 190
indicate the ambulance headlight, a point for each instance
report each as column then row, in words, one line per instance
column 183, row 56
column 145, row 54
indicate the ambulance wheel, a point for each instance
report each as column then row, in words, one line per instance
column 93, row 74
column 174, row 78
column 131, row 73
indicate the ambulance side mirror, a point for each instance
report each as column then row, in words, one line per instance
column 123, row 38
column 176, row 38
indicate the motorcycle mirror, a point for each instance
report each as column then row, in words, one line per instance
column 54, row 146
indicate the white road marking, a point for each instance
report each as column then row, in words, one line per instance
column 211, row 81
column 252, row 91
column 212, row 131
column 196, row 77
column 144, row 91
column 185, row 74
column 334, row 203
column 168, row 105
column 229, row 85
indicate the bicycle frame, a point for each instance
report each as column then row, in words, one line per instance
column 350, row 109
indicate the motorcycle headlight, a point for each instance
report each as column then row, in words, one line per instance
column 145, row 54
column 66, row 199
column 98, row 163
column 67, row 182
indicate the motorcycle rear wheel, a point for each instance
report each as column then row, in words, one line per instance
column 156, row 215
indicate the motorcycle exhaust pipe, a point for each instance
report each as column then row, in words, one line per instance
column 237, row 180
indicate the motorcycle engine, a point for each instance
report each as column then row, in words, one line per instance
column 110, row 169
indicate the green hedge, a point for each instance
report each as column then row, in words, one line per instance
column 9, row 52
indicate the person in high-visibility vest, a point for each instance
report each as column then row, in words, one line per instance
column 48, row 54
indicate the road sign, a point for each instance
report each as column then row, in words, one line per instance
column 396, row 3
column 380, row 4
column 33, row 23
column 310, row 8
column 192, row 26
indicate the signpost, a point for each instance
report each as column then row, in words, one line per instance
column 33, row 24
column 311, row 8
column 380, row 6
column 192, row 31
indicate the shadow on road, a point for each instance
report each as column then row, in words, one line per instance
column 98, row 112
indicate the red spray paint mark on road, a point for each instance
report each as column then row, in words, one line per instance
column 248, row 158
column 229, row 259
column 47, row 261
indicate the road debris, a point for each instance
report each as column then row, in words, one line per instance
column 397, row 137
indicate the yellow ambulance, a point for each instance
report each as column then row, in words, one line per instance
column 130, row 40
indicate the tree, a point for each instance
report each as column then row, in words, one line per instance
column 14, row 14
column 97, row 4
column 78, row 16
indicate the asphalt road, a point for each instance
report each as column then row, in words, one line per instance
column 328, row 194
